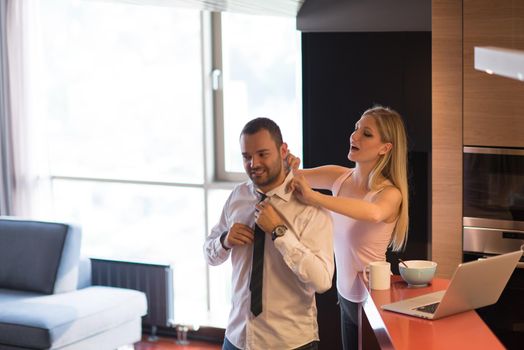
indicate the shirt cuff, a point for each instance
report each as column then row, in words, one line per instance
column 222, row 239
column 287, row 244
column 222, row 252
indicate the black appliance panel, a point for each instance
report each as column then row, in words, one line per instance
column 494, row 186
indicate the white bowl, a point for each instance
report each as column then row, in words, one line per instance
column 418, row 272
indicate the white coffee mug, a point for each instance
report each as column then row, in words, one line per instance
column 379, row 275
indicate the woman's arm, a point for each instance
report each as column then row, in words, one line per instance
column 321, row 177
column 383, row 207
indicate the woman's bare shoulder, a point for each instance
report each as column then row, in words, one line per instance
column 388, row 191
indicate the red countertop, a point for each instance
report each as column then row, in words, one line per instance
column 392, row 330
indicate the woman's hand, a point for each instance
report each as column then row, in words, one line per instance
column 292, row 162
column 302, row 190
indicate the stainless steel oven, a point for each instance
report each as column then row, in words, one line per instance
column 493, row 224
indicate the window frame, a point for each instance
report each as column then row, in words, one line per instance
column 216, row 80
column 218, row 103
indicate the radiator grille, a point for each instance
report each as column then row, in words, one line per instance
column 155, row 280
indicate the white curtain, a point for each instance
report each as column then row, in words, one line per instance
column 22, row 153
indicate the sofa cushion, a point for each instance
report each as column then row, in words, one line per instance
column 53, row 321
column 31, row 253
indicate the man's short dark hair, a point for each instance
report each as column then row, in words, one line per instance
column 257, row 124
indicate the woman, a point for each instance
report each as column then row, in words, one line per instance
column 369, row 204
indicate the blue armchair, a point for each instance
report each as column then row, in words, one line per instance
column 46, row 304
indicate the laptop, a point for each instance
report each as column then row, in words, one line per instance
column 474, row 284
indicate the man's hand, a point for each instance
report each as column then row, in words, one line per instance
column 267, row 217
column 239, row 234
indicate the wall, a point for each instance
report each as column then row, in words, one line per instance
column 446, row 173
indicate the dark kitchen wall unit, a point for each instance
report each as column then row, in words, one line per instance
column 365, row 16
column 343, row 75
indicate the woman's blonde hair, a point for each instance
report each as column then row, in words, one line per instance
column 392, row 166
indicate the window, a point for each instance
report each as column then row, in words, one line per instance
column 261, row 78
column 124, row 92
column 125, row 100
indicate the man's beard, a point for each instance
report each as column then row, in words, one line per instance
column 273, row 174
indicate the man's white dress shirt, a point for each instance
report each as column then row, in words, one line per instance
column 296, row 266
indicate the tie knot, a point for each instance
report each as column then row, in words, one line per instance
column 262, row 196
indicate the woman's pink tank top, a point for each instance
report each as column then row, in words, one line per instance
column 356, row 244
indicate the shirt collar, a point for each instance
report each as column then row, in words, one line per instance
column 280, row 190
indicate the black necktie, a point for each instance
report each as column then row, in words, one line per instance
column 257, row 270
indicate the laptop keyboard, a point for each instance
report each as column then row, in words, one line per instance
column 430, row 308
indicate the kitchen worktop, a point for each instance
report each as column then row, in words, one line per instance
column 388, row 330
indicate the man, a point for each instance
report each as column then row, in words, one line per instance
column 273, row 301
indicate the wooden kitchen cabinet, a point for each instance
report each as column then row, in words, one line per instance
column 493, row 105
